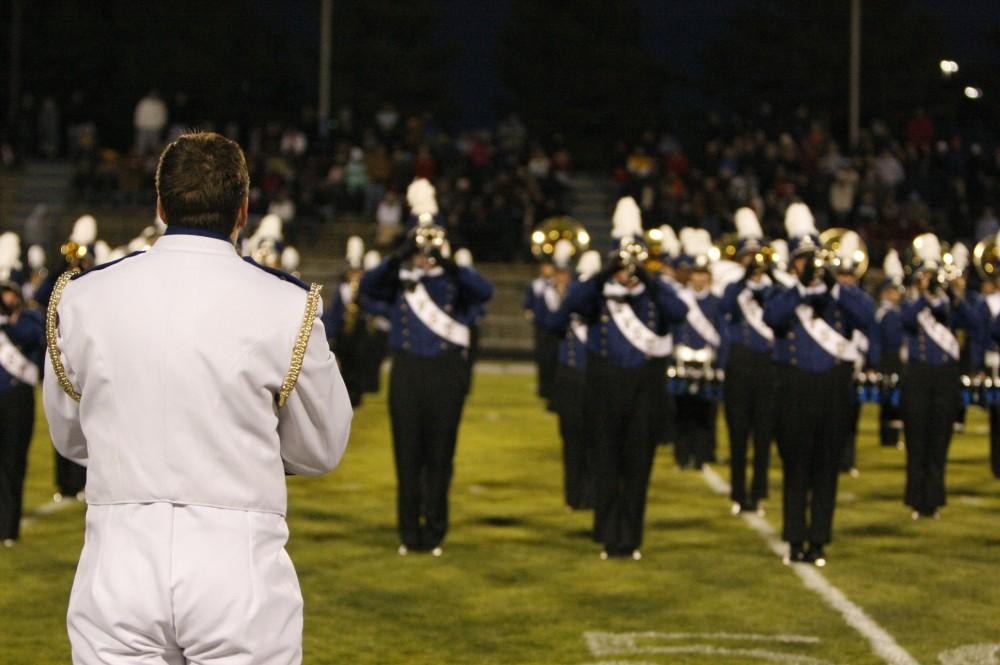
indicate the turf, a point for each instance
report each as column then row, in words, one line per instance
column 520, row 582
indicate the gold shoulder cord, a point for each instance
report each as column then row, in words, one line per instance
column 299, row 350
column 52, row 333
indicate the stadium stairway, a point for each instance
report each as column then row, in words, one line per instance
column 591, row 202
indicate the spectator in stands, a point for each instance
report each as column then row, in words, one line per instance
column 150, row 119
column 388, row 219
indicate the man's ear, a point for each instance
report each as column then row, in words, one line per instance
column 159, row 211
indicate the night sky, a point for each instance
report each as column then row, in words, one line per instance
column 676, row 33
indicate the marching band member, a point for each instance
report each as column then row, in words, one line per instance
column 848, row 256
column 886, row 343
column 665, row 419
column 187, row 448
column 568, row 388
column 430, row 297
column 546, row 344
column 22, row 346
column 697, row 345
column 930, row 386
column 378, row 332
column 463, row 259
column 812, row 323
column 628, row 314
column 346, row 328
column 749, row 383
column 37, row 274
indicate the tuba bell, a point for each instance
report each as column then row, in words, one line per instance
column 554, row 229
column 986, row 258
column 829, row 254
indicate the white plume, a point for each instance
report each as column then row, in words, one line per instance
column 101, row 252
column 137, row 244
column 372, row 259
column 420, row 196
column 799, row 221
column 627, row 219
column 589, row 264
column 781, row 250
column 115, row 254
column 355, row 252
column 84, row 230
column 270, row 227
column 160, row 226
column 290, row 259
column 696, row 242
column 725, row 273
column 36, row 257
column 670, row 245
column 850, row 243
column 562, row 253
column 463, row 258
column 928, row 248
column 960, row 256
column 446, row 249
column 10, row 254
column 747, row 224
column 892, row 266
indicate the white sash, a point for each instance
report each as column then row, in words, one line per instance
column 637, row 333
column 753, row 313
column 698, row 320
column 938, row 332
column 14, row 362
column 552, row 298
column 579, row 329
column 435, row 318
column 826, row 336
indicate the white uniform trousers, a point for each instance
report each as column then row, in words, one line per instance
column 165, row 584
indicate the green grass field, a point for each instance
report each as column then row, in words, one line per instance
column 520, row 582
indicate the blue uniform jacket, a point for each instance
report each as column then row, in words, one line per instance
column 658, row 310
column 737, row 330
column 961, row 315
column 28, row 335
column 886, row 336
column 845, row 308
column 456, row 293
column 686, row 335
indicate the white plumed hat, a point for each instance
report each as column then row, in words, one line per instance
column 421, row 198
column 626, row 222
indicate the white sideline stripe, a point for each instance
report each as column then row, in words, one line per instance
column 709, row 650
column 602, row 644
column 47, row 509
column 883, row 644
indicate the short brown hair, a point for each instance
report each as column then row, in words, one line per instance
column 202, row 181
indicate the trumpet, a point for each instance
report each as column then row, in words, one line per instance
column 74, row 253
column 427, row 236
column 554, row 229
column 986, row 258
column 632, row 255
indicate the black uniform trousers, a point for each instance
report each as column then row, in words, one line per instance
column 426, row 396
column 695, row 441
column 810, row 436
column 351, row 350
column 17, row 420
column 546, row 359
column 932, row 400
column 568, row 399
column 890, row 418
column 749, row 408
column 618, row 402
column 995, row 439
column 375, row 348
column 849, row 432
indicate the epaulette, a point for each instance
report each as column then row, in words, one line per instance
column 280, row 274
column 92, row 269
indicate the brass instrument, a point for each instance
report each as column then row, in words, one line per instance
column 632, row 254
column 554, row 229
column 828, row 255
column 427, row 235
column 986, row 258
column 267, row 253
column 74, row 253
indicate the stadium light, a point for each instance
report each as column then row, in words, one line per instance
column 973, row 93
column 949, row 67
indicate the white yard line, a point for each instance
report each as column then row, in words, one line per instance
column 883, row 644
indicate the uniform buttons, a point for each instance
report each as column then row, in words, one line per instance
column 444, row 346
column 447, row 308
column 604, row 318
column 604, row 353
column 794, row 362
column 403, row 306
column 406, row 332
column 406, row 345
column 405, row 319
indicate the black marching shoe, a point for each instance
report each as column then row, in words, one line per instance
column 796, row 553
column 816, row 556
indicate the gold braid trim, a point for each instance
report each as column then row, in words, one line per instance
column 299, row 350
column 52, row 333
